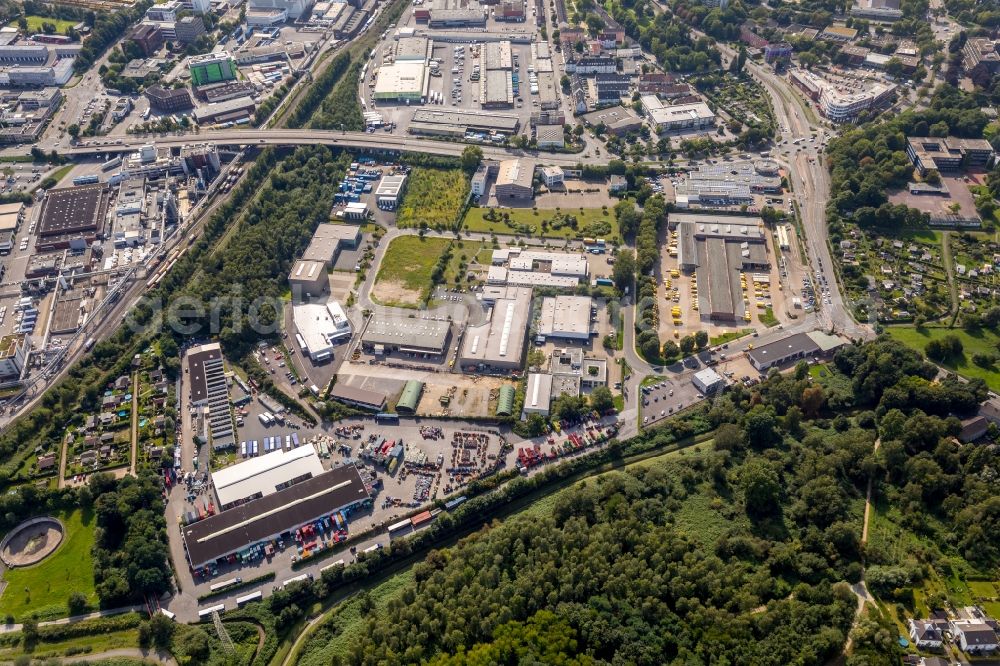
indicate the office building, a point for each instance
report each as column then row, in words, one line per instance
column 212, row 68
column 678, row 118
column 948, row 153
column 169, row 99
column 13, row 353
column 188, row 29
column 514, row 180
column 148, row 38
column 708, row 381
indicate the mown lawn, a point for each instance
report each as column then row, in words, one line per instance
column 981, row 342
column 35, row 24
column 433, row 198
column 45, row 587
column 547, row 223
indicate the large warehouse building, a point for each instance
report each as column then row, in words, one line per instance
column 418, row 336
column 329, row 240
column 72, row 217
column 319, row 327
column 265, row 475
column 566, row 317
column 401, row 82
column 498, row 344
column 263, row 519
column 718, row 249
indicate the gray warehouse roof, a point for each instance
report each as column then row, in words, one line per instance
column 500, row 341
column 406, row 332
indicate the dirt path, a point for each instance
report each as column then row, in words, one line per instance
column 136, row 653
column 949, row 271
column 868, row 501
column 135, row 423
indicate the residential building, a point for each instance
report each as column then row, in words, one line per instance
column 612, row 87
column 925, row 634
column 751, row 38
column 779, row 52
column 981, row 55
column 656, row 83
column 974, row 636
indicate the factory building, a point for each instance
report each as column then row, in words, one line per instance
column 73, row 217
column 718, row 249
column 514, row 180
column 427, row 337
column 265, row 475
column 389, row 192
column 498, row 344
column 210, row 540
column 319, row 327
column 566, row 317
column 308, row 278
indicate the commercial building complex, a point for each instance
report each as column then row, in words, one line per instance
column 401, row 81
column 536, row 268
column 793, row 348
column 729, row 184
column 265, row 475
column 681, row 117
column 498, row 343
column 842, row 102
column 319, row 327
column 263, row 519
column 717, row 249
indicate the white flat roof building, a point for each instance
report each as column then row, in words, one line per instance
column 320, row 326
column 565, row 317
column 679, row 117
column 405, row 80
column 499, row 342
column 538, row 394
column 265, row 475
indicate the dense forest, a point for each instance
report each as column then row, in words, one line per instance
column 738, row 553
column 669, row 40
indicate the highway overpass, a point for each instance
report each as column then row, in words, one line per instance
column 357, row 141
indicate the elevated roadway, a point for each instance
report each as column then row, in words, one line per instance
column 363, row 141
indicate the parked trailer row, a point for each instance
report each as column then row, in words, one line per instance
column 207, row 612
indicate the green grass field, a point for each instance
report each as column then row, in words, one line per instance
column 45, row 587
column 729, row 336
column 404, row 277
column 590, row 222
column 983, row 341
column 35, row 24
column 434, row 198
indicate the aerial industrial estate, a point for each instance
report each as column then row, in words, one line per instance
column 297, row 293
